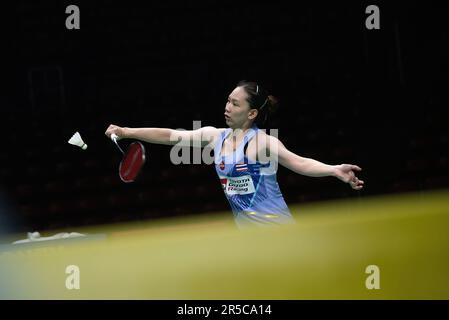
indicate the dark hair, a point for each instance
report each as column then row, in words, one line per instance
column 259, row 99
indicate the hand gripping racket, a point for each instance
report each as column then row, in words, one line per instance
column 132, row 161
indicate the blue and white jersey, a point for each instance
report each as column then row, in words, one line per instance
column 250, row 186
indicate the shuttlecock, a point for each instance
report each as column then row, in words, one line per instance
column 76, row 140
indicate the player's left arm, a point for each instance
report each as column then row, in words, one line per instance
column 310, row 167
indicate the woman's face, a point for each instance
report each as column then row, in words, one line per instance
column 238, row 113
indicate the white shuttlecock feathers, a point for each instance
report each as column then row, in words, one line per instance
column 76, row 140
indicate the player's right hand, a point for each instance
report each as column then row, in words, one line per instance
column 119, row 131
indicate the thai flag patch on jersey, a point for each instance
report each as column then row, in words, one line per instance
column 241, row 167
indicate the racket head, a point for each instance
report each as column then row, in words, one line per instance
column 132, row 162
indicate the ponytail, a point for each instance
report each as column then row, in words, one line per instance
column 259, row 99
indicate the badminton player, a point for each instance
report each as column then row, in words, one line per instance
column 246, row 157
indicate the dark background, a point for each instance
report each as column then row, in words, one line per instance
column 376, row 98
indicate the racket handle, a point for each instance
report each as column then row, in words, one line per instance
column 114, row 137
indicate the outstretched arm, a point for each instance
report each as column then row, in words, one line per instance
column 202, row 136
column 313, row 168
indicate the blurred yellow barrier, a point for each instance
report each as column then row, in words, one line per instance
column 337, row 250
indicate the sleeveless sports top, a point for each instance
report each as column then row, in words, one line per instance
column 250, row 186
